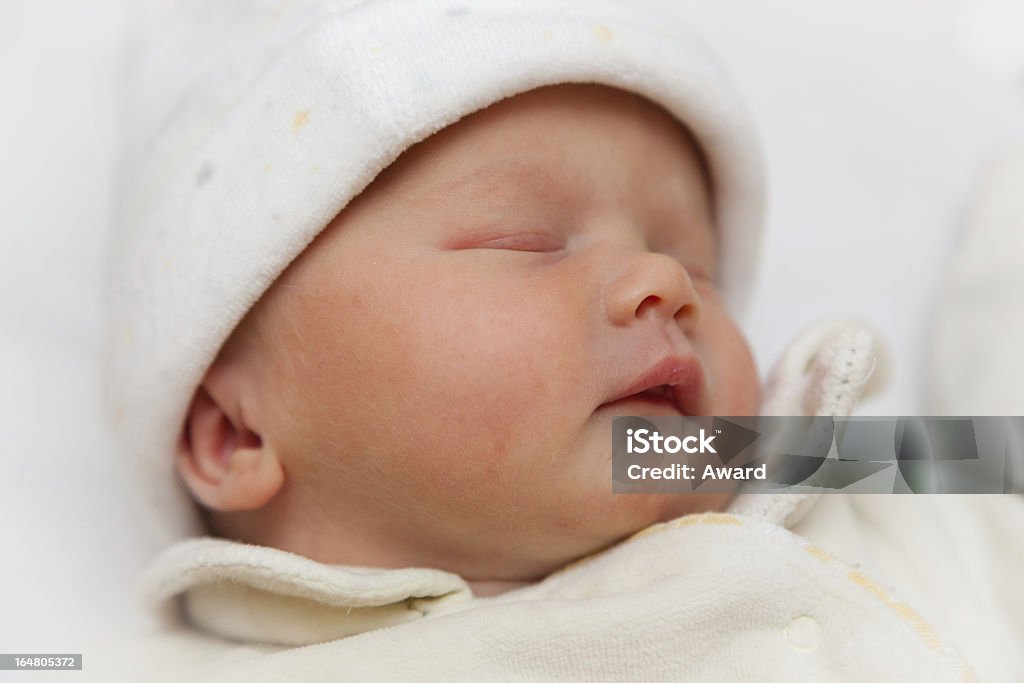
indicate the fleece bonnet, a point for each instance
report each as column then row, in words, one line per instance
column 251, row 124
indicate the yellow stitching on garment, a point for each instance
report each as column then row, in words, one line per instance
column 720, row 518
column 688, row 520
column 865, row 582
column 922, row 626
column 819, row 553
column 905, row 612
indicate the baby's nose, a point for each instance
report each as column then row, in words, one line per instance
column 652, row 284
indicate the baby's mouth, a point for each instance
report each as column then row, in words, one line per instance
column 676, row 383
column 662, row 391
column 655, row 400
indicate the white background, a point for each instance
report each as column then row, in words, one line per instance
column 876, row 116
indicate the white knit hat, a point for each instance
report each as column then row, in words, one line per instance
column 253, row 123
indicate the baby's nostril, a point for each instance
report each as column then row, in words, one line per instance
column 649, row 303
column 686, row 311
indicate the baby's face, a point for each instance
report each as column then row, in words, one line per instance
column 439, row 370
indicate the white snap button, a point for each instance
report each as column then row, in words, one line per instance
column 803, row 634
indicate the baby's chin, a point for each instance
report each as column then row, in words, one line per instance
column 637, row 511
column 630, row 514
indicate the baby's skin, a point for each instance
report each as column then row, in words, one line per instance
column 432, row 382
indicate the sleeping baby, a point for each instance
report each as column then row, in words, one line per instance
column 385, row 272
column 431, row 382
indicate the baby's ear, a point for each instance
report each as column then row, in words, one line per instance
column 223, row 460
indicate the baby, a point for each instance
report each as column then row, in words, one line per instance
column 387, row 314
column 432, row 382
column 384, row 276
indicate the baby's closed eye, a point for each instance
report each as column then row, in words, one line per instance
column 519, row 241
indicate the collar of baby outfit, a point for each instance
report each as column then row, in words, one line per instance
column 265, row 595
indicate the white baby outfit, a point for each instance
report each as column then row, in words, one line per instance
column 253, row 124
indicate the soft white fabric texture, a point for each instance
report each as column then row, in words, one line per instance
column 260, row 594
column 978, row 321
column 253, row 124
column 714, row 597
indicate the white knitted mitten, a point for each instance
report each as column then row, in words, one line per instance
column 825, row 370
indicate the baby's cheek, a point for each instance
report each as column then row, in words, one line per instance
column 731, row 370
column 746, row 384
column 491, row 448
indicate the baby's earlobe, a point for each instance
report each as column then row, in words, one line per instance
column 253, row 478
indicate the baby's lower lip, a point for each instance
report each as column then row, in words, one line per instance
column 642, row 404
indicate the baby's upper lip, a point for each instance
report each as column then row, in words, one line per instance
column 682, row 375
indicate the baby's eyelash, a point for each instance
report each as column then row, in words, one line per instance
column 524, row 241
